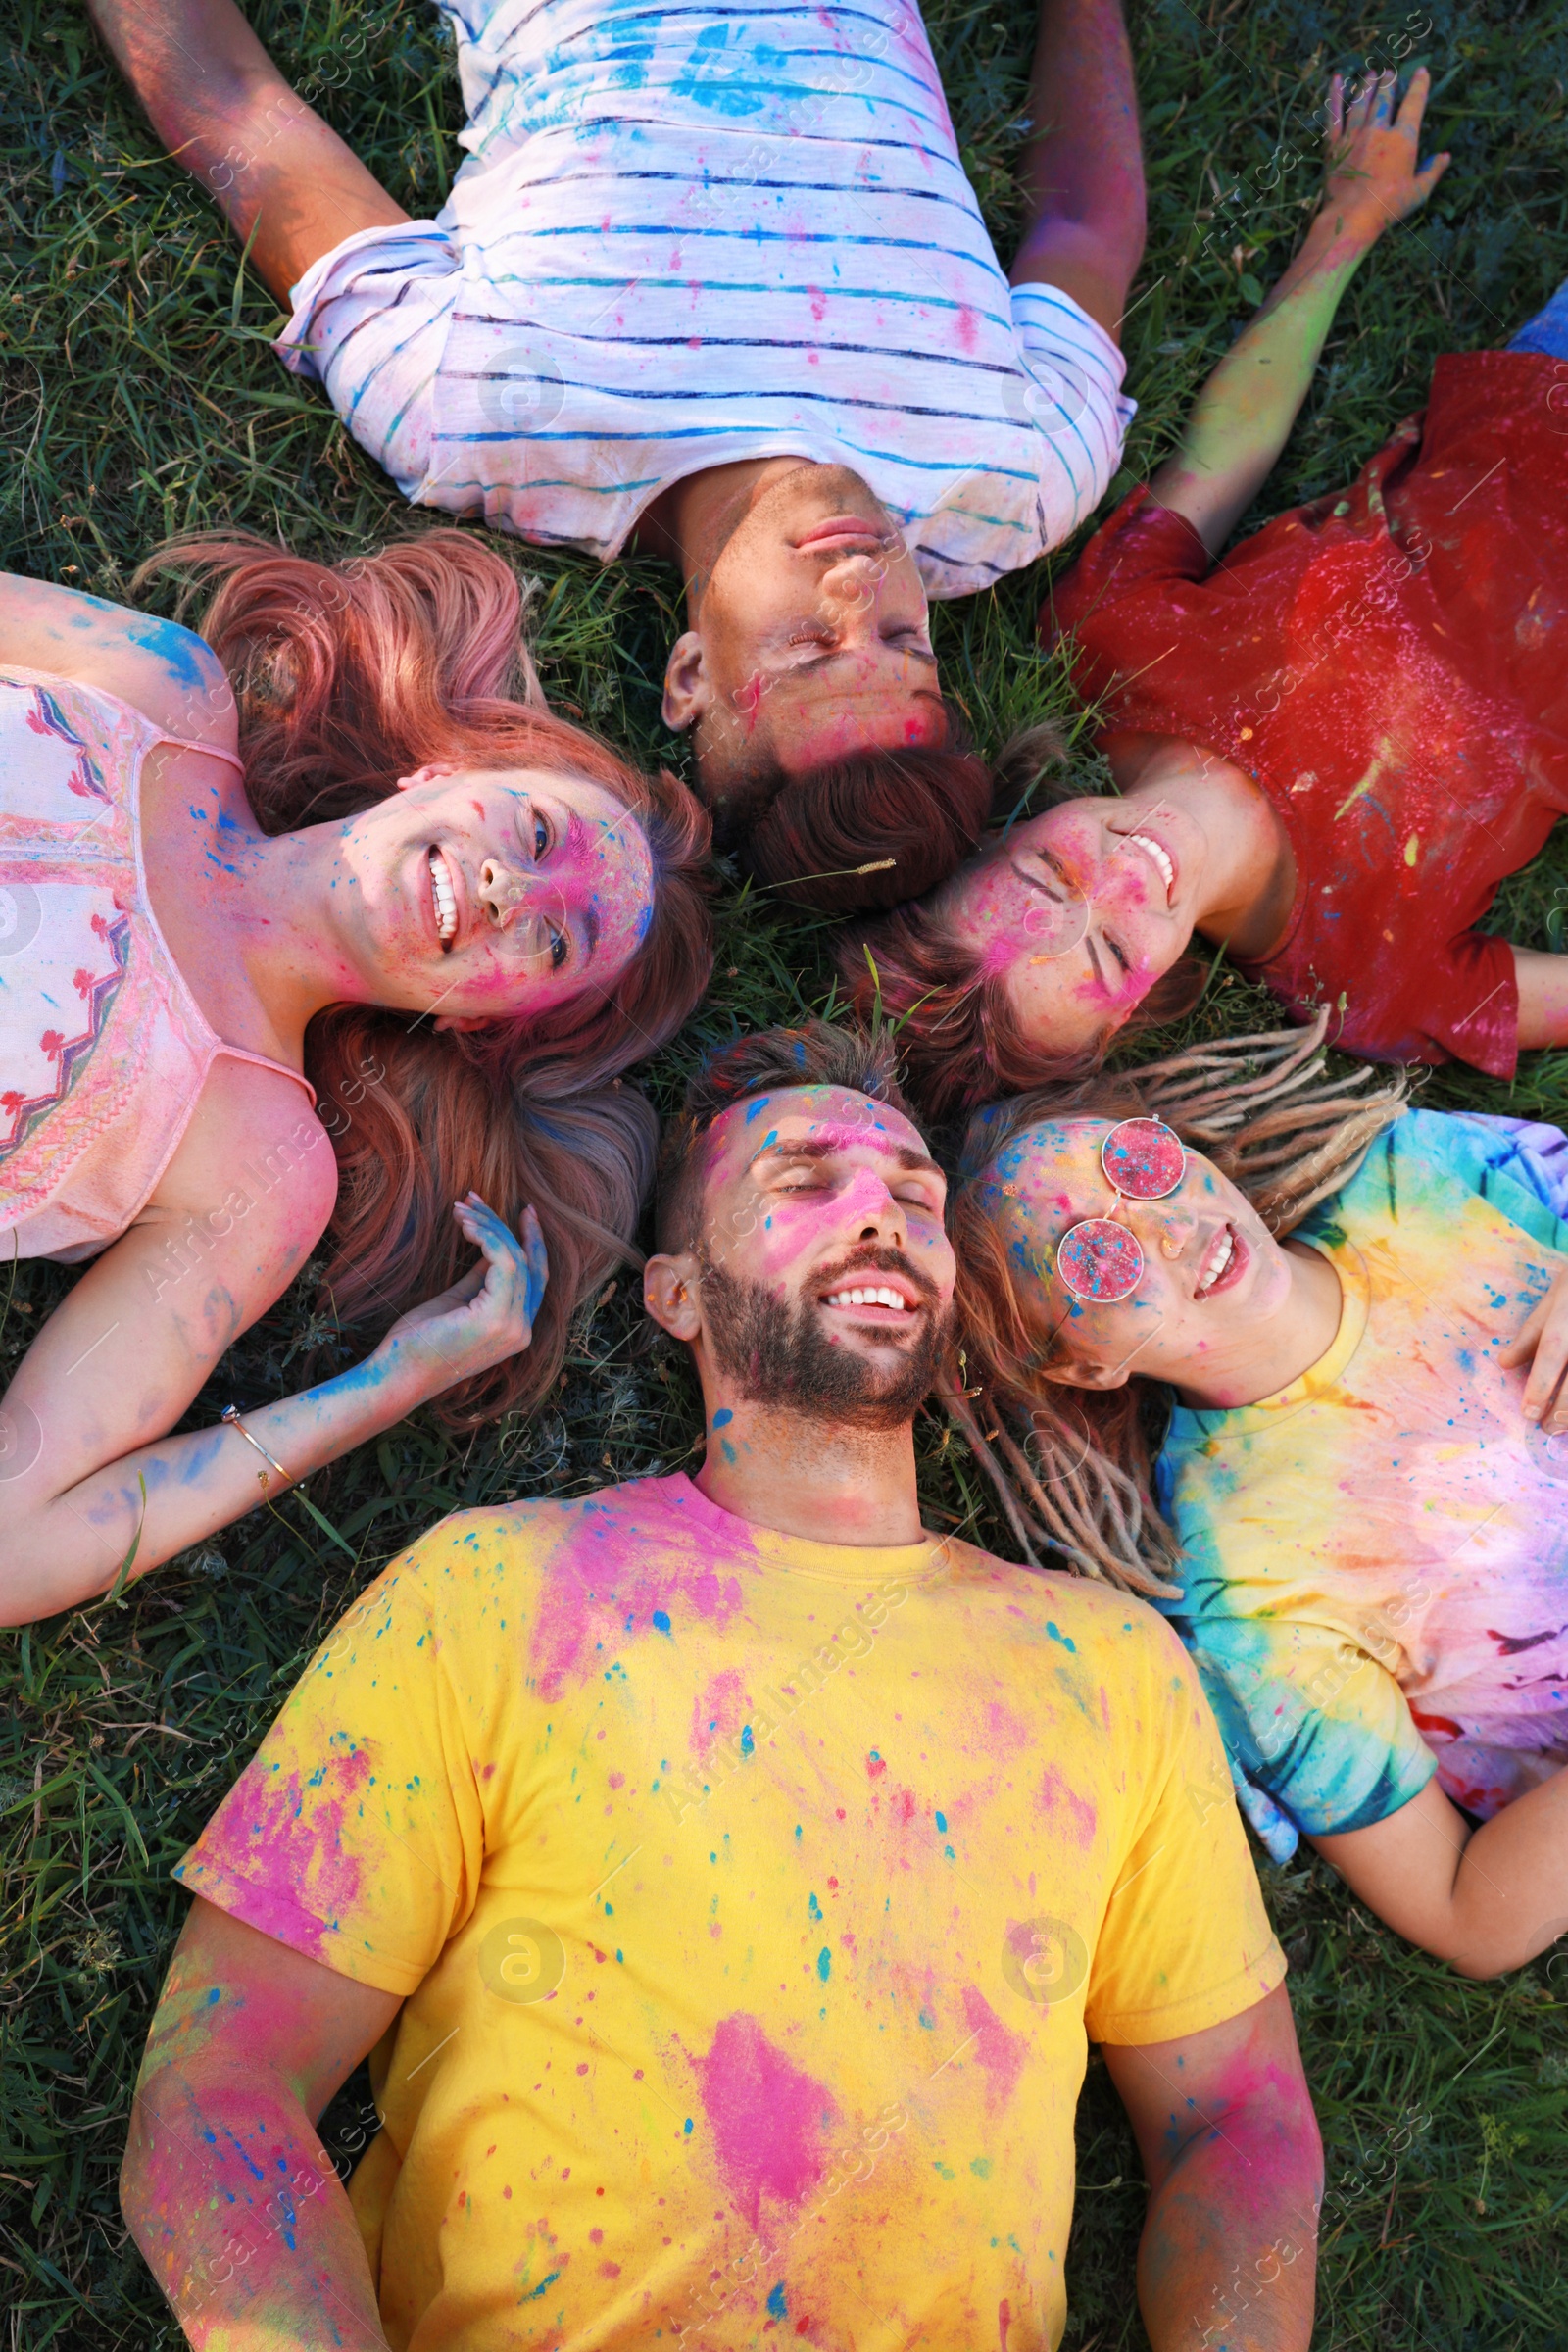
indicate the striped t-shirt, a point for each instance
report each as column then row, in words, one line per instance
column 690, row 234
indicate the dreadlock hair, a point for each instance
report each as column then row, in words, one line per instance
column 962, row 1041
column 347, row 676
column 818, row 1053
column 863, row 832
column 1072, row 1468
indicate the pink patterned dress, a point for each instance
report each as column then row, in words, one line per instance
column 102, row 1048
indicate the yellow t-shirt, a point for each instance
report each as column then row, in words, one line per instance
column 753, row 1900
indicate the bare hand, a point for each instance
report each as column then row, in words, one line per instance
column 490, row 1313
column 1373, row 143
column 1543, row 1344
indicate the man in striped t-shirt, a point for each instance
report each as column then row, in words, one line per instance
column 712, row 281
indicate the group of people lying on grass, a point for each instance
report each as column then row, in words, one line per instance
column 322, row 927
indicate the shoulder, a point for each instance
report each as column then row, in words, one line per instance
column 166, row 671
column 254, row 1144
column 1126, row 1639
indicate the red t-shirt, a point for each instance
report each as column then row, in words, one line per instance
column 1391, row 664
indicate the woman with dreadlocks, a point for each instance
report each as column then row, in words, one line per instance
column 1289, row 1357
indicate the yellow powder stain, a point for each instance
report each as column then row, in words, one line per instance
column 1413, row 849
column 1380, row 764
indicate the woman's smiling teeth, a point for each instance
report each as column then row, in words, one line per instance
column 1217, row 1263
column 445, row 897
column 878, row 1297
column 1161, row 858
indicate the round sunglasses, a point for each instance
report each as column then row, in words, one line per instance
column 1099, row 1260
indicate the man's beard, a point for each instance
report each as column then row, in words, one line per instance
column 781, row 1356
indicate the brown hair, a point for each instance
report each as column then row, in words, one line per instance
column 864, row 832
column 348, row 676
column 959, row 1037
column 1072, row 1468
column 817, row 1054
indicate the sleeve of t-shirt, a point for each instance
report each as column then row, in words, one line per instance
column 1312, row 1718
column 1519, row 1166
column 1072, row 395
column 369, row 322
column 1117, row 601
column 1185, row 1942
column 356, row 1833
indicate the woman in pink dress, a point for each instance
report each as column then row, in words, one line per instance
column 324, row 925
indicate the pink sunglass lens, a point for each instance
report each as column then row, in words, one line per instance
column 1143, row 1159
column 1100, row 1261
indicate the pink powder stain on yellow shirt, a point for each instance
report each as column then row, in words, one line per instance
column 311, row 1879
column 718, row 1712
column 769, row 2121
column 601, row 1591
column 1065, row 1806
column 998, row 2050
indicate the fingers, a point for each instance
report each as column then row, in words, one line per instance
column 533, row 1241
column 502, row 1251
column 1336, row 110
column 1414, row 104
column 1427, row 180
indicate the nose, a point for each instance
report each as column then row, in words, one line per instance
column 1170, row 1226
column 876, row 1215
column 503, row 894
column 856, row 580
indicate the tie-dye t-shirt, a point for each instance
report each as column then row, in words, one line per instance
column 1377, row 1576
column 754, row 1900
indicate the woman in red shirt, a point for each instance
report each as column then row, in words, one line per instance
column 1330, row 747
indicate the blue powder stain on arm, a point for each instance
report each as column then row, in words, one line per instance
column 824, row 1963
column 1064, row 1638
column 813, row 1909
column 747, row 1744
column 688, row 2127
column 662, row 1621
column 942, row 1823
column 776, row 2304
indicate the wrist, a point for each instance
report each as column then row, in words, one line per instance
column 1343, row 229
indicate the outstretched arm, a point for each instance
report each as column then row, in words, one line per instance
column 229, row 2192
column 1082, row 166
column 1485, row 1900
column 1230, row 2145
column 1242, row 418
column 218, row 103
column 1542, row 980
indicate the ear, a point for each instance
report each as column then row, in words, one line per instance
column 669, row 1294
column 687, row 692
column 1088, row 1376
column 432, row 773
column 461, row 1020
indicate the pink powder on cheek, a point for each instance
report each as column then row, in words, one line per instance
column 769, row 2121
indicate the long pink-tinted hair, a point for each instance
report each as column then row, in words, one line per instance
column 348, row 676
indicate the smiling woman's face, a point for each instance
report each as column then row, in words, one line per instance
column 476, row 894
column 1212, row 1271
column 1079, row 911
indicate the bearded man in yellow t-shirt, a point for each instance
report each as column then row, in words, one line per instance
column 726, row 1876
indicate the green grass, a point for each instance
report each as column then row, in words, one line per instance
column 139, row 397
